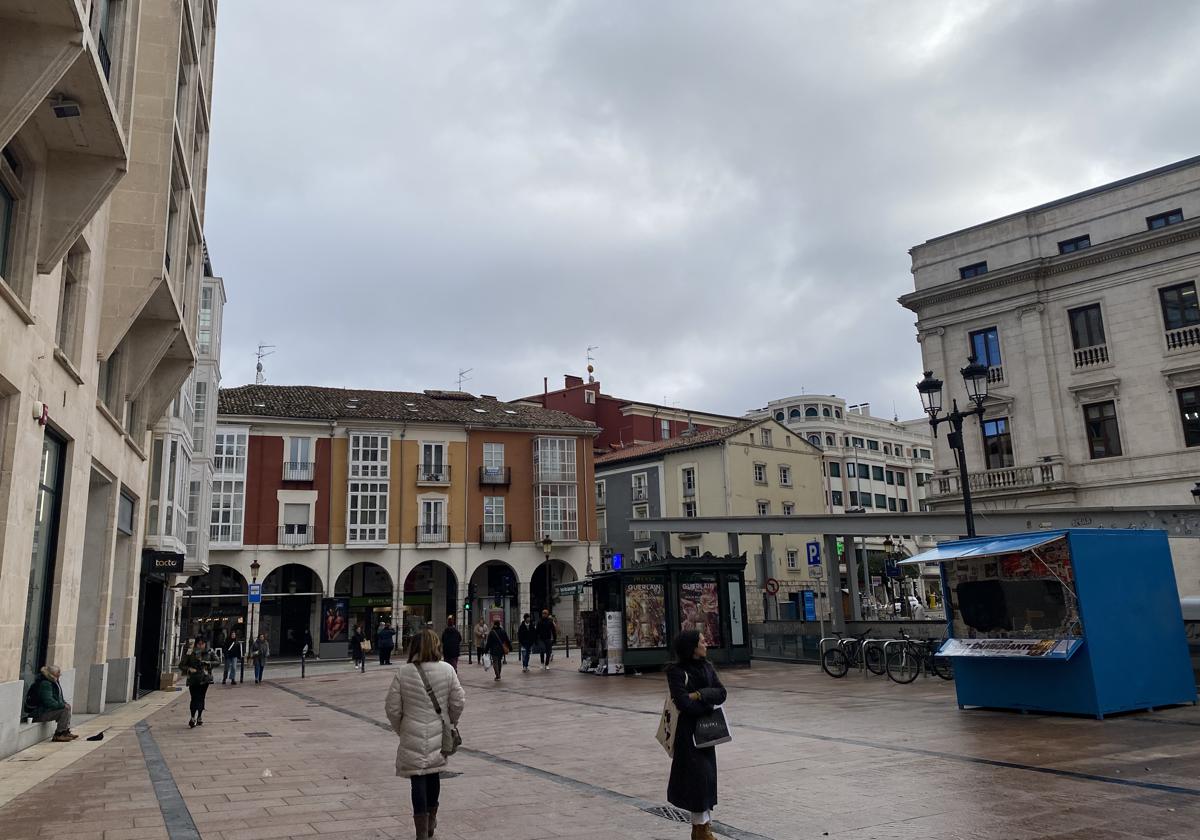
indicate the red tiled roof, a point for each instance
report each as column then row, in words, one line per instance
column 678, row 444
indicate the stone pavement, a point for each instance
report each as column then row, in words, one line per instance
column 559, row 754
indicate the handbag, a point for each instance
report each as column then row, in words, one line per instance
column 451, row 740
column 668, row 722
column 712, row 729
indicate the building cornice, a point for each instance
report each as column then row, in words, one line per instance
column 1046, row 267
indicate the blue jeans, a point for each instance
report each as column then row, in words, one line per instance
column 525, row 652
column 259, row 664
column 231, row 670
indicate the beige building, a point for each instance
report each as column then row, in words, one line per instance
column 752, row 468
column 96, row 335
column 1085, row 311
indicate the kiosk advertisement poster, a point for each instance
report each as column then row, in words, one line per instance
column 737, row 626
column 645, row 613
column 699, row 608
column 335, row 619
column 1008, row 648
column 614, row 632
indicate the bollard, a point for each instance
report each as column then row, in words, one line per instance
column 362, row 663
column 303, row 659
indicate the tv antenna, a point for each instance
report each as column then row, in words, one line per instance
column 591, row 367
column 264, row 350
column 463, row 376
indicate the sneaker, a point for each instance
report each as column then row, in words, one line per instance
column 192, row 723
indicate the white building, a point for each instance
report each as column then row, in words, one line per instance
column 870, row 464
column 1085, row 310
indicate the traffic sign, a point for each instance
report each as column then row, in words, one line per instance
column 814, row 553
column 816, row 572
column 772, row 586
column 891, row 567
column 256, row 593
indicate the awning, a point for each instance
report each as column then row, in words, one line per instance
column 984, row 547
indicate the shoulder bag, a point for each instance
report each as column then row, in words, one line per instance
column 668, row 722
column 451, row 740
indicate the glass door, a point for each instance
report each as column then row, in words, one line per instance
column 45, row 551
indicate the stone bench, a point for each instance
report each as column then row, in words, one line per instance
column 30, row 733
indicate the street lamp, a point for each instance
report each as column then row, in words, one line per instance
column 547, row 547
column 254, row 567
column 975, row 377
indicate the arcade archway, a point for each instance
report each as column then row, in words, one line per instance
column 496, row 595
column 290, row 610
column 367, row 589
column 430, row 594
column 563, row 609
column 216, row 605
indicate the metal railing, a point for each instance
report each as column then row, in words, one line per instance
column 641, row 536
column 1094, row 355
column 433, row 473
column 298, row 470
column 601, row 498
column 293, row 535
column 495, row 534
column 1183, row 338
column 494, row 476
column 641, row 494
column 102, row 54
column 427, row 534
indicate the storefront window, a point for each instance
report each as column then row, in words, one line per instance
column 45, row 551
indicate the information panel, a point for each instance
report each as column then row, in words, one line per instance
column 1060, row 649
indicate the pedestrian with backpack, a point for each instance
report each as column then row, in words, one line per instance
column 196, row 666
column 44, row 703
column 497, row 645
column 695, row 690
column 423, row 705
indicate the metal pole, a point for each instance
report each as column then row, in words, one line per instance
column 956, row 441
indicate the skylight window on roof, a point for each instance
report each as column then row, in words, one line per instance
column 479, row 410
column 509, row 411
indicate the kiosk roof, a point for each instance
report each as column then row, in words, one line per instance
column 984, row 547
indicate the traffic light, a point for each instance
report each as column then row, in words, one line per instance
column 466, row 606
column 472, row 591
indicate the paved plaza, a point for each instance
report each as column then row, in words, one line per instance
column 559, row 754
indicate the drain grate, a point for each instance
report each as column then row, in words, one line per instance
column 667, row 812
column 258, row 734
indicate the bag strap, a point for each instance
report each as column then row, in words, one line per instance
column 429, row 690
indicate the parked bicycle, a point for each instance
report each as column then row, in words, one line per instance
column 849, row 653
column 908, row 657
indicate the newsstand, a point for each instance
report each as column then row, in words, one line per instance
column 646, row 605
column 1081, row 621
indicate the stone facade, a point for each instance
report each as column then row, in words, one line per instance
column 1085, row 312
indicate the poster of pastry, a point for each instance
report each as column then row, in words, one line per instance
column 699, row 609
column 645, row 614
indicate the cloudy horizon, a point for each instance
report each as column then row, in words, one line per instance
column 719, row 196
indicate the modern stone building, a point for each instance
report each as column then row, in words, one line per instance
column 387, row 504
column 1085, row 311
column 755, row 467
column 96, row 332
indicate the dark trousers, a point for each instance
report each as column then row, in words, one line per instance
column 545, row 651
column 453, row 662
column 259, row 665
column 425, row 792
column 197, row 704
column 385, row 656
column 497, row 662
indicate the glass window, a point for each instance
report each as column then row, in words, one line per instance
column 853, row 498
column 877, row 473
column 125, row 515
column 229, row 453
column 811, row 411
column 997, row 443
column 204, row 321
column 554, row 459
column 368, row 456
column 689, row 510
column 493, row 456
column 859, row 443
column 985, row 346
column 300, row 450
column 973, row 270
column 8, row 207
column 1172, row 217
column 764, row 508
column 904, row 505
column 785, row 475
column 367, row 509
column 689, row 480
column 766, row 437
column 891, row 476
column 1189, row 414
column 864, row 499
column 200, row 401
column 793, row 558
column 891, row 504
column 1179, row 306
column 835, row 469
column 228, row 510
column 1087, row 326
column 493, row 514
column 873, row 445
column 788, row 508
column 795, row 414
column 780, row 416
column 837, row 498
column 900, row 479
column 760, row 473
column 641, row 491
column 920, row 479
column 433, row 459
column 46, row 515
column 295, row 519
column 1070, row 246
column 1104, row 438
column 557, row 511
column 664, row 429
column 881, row 501
column 433, row 521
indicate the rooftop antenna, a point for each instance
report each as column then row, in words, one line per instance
column 591, row 366
column 463, row 376
column 264, row 350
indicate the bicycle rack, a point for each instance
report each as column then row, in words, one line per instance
column 883, row 643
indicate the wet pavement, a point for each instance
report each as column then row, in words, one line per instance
column 558, row 754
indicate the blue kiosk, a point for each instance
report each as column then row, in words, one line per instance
column 1080, row 621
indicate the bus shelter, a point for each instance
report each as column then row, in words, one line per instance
column 643, row 607
column 1079, row 621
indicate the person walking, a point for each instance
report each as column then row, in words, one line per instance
column 44, row 703
column 424, row 692
column 481, row 633
column 233, row 652
column 526, row 639
column 309, row 650
column 451, row 643
column 260, row 649
column 385, row 641
column 696, row 691
column 547, row 634
column 497, row 645
column 196, row 665
column 356, row 642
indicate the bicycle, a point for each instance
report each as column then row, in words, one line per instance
column 908, row 657
column 837, row 661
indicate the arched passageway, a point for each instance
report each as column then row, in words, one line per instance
column 430, row 594
column 290, row 609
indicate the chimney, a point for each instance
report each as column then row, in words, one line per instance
column 571, row 381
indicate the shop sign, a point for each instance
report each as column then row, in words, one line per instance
column 162, row 562
column 1012, row 648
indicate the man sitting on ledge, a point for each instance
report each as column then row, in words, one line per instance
column 44, row 703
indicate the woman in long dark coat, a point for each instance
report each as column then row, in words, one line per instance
column 696, row 690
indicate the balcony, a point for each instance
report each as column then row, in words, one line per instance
column 1047, row 475
column 294, row 536
column 641, row 494
column 1184, row 338
column 495, row 476
column 495, row 535
column 1091, row 356
column 996, row 374
column 298, row 470
column 428, row 535
column 433, row 474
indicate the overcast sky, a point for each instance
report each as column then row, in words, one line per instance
column 719, row 195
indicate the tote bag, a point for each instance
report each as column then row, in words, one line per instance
column 666, row 726
column 712, row 729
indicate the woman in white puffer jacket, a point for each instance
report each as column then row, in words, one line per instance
column 413, row 717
